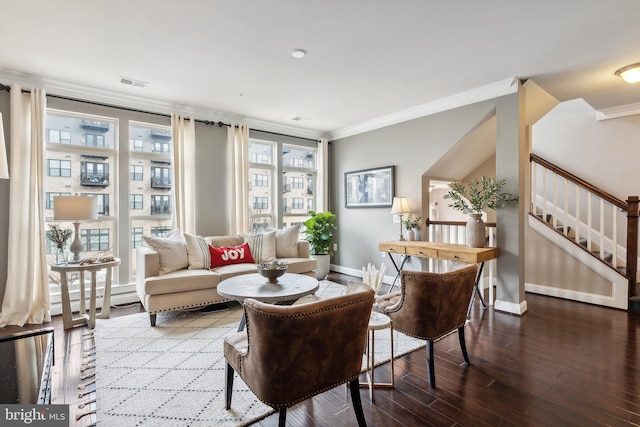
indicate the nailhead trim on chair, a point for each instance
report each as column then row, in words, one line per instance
column 298, row 315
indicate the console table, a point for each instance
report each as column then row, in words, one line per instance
column 439, row 250
column 90, row 319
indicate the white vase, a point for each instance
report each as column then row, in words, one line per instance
column 475, row 231
column 412, row 235
column 323, row 266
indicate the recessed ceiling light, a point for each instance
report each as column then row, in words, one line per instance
column 298, row 53
column 133, row 82
column 299, row 118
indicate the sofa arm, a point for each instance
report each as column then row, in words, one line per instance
column 303, row 249
column 147, row 265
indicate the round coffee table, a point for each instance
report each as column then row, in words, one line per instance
column 289, row 289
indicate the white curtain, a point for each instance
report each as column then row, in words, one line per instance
column 184, row 178
column 26, row 295
column 323, row 171
column 238, row 165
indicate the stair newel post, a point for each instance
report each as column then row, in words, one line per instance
column 633, row 204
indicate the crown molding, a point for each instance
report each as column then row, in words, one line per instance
column 620, row 111
column 118, row 99
column 494, row 90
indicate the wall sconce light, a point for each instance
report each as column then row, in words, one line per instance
column 4, row 169
column 630, row 73
column 400, row 207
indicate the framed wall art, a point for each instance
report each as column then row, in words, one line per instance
column 369, row 188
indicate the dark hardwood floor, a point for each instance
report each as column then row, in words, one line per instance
column 562, row 364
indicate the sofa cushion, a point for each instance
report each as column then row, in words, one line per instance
column 197, row 252
column 220, row 241
column 172, row 251
column 181, row 281
column 240, row 254
column 232, row 270
column 300, row 265
column 263, row 246
column 287, row 242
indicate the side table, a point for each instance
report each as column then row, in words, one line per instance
column 377, row 321
column 89, row 319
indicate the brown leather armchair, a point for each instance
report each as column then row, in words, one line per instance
column 288, row 354
column 430, row 305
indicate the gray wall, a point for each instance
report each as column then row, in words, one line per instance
column 412, row 147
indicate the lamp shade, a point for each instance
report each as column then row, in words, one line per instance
column 400, row 206
column 75, row 208
column 4, row 169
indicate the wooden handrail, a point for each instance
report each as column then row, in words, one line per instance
column 582, row 183
column 428, row 222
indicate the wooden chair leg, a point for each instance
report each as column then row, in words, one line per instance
column 228, row 389
column 282, row 419
column 431, row 364
column 152, row 319
column 354, row 387
column 463, row 344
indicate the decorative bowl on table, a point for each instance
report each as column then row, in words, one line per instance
column 271, row 270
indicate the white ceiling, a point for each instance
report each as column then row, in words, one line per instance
column 367, row 59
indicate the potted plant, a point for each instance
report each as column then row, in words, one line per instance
column 59, row 237
column 410, row 223
column 473, row 198
column 319, row 233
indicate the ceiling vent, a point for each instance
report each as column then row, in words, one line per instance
column 133, row 82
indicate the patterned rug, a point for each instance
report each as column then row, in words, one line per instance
column 173, row 374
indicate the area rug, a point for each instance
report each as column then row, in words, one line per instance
column 173, row 374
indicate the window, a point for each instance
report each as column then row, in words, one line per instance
column 160, row 177
column 48, row 204
column 160, row 231
column 160, row 205
column 103, row 202
column 136, row 237
column 135, row 201
column 95, row 239
column 58, row 167
column 94, row 173
column 136, row 173
column 59, row 136
column 94, row 140
column 161, row 147
column 297, row 182
column 260, row 203
column 135, row 145
column 297, row 203
column 276, row 184
column 260, row 180
column 310, row 205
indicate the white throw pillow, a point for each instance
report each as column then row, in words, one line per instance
column 197, row 252
column 263, row 246
column 171, row 250
column 287, row 242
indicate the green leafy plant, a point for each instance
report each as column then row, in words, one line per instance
column 477, row 195
column 411, row 222
column 319, row 232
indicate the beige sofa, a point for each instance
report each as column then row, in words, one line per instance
column 188, row 288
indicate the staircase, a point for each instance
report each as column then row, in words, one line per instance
column 589, row 219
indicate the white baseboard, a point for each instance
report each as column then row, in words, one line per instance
column 616, row 301
column 511, row 307
column 357, row 273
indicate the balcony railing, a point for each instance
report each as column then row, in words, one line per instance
column 94, row 179
column 160, row 134
column 160, row 183
column 286, row 188
column 310, row 190
column 160, row 210
column 94, row 125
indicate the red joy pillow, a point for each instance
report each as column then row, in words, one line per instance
column 226, row 255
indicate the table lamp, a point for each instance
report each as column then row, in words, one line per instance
column 76, row 209
column 400, row 207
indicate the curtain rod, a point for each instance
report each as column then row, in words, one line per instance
column 134, row 110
